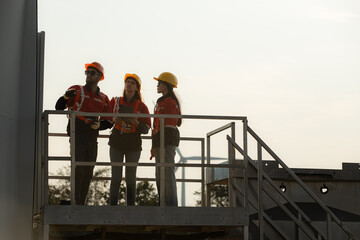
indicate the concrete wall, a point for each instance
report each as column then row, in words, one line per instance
column 18, row 27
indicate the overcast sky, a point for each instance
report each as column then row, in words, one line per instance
column 291, row 67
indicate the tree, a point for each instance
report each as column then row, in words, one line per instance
column 146, row 194
column 99, row 190
column 218, row 195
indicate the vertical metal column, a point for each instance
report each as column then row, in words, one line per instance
column 202, row 173
column 46, row 232
column 246, row 187
column 162, row 161
column 231, row 170
column 231, row 190
column 46, row 160
column 246, row 163
column 208, row 194
column 39, row 122
column 297, row 228
column 328, row 226
column 260, row 193
column 45, row 174
column 72, row 151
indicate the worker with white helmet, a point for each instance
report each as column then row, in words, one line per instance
column 125, row 139
column 87, row 98
column 168, row 103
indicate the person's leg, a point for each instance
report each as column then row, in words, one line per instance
column 130, row 177
column 170, row 180
column 80, row 156
column 85, row 151
column 116, row 175
column 157, row 171
column 91, row 155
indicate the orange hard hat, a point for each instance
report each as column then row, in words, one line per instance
column 135, row 77
column 97, row 66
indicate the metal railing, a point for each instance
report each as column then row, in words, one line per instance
column 301, row 220
column 44, row 174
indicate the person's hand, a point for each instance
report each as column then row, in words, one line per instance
column 152, row 153
column 93, row 122
column 117, row 119
column 95, row 125
column 133, row 121
column 70, row 93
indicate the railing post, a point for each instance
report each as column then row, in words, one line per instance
column 246, row 161
column 208, row 189
column 260, row 192
column 297, row 232
column 72, row 152
column 233, row 170
column 45, row 175
column 328, row 226
column 245, row 187
column 162, row 161
column 232, row 127
column 231, row 182
column 203, row 173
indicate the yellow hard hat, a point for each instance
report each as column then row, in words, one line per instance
column 97, row 66
column 168, row 77
column 135, row 77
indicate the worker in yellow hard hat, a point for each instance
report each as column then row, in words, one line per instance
column 125, row 139
column 87, row 98
column 168, row 103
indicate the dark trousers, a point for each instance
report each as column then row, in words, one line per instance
column 85, row 151
column 117, row 155
column 170, row 180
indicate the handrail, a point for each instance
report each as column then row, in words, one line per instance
column 303, row 185
column 230, row 125
column 299, row 181
column 302, row 220
column 72, row 115
column 274, row 185
column 142, row 115
column 277, row 228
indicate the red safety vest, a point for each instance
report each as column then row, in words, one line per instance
column 78, row 104
column 169, row 104
column 122, row 126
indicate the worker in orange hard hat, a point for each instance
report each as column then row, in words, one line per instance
column 87, row 98
column 125, row 139
column 97, row 66
column 168, row 103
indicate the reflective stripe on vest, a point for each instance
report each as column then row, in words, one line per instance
column 156, row 125
column 122, row 126
column 77, row 106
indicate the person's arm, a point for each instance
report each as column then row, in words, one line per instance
column 107, row 109
column 170, row 107
column 142, row 128
column 105, row 124
column 61, row 103
column 144, row 123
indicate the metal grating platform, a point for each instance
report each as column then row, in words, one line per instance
column 144, row 216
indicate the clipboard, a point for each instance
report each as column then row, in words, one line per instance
column 125, row 109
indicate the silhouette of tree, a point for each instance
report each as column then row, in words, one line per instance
column 218, row 196
column 99, row 190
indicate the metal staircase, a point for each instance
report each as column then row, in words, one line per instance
column 262, row 194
